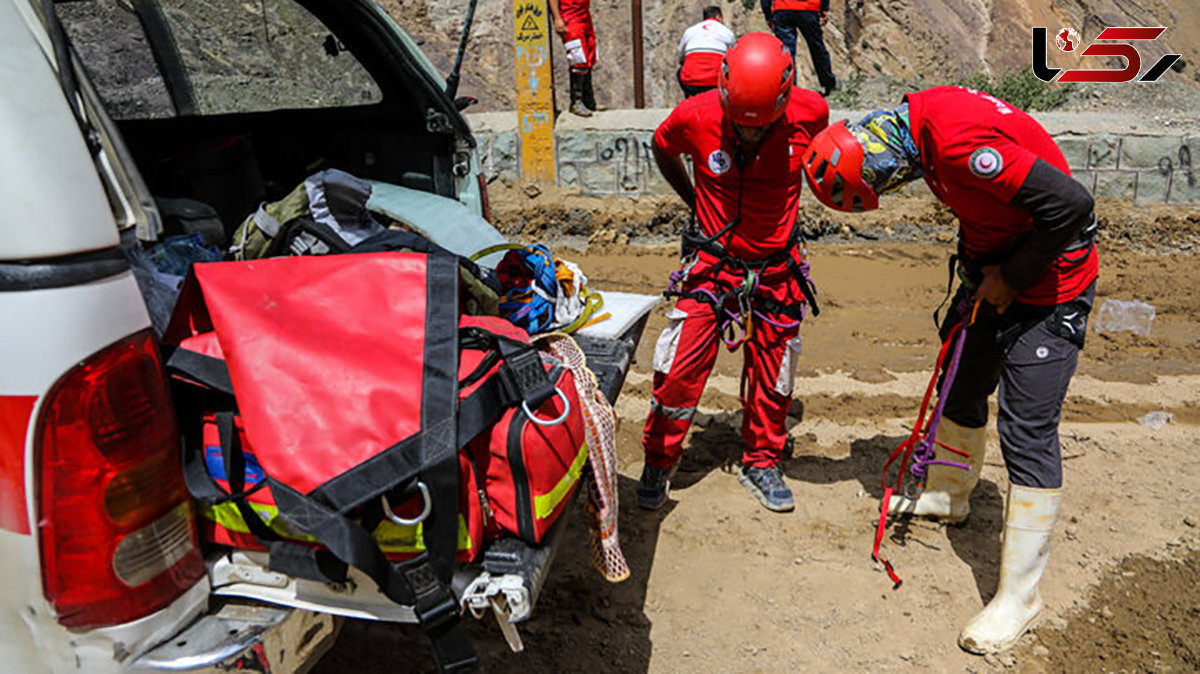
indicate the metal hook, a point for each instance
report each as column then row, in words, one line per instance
column 387, row 509
column 542, row 422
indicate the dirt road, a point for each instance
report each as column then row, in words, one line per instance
column 721, row 585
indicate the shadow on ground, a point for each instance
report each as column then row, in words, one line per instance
column 581, row 623
column 976, row 541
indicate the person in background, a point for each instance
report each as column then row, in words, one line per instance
column 743, row 279
column 573, row 23
column 785, row 17
column 1028, row 264
column 700, row 52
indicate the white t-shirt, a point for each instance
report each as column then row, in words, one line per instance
column 709, row 35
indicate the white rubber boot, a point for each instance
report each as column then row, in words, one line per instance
column 1028, row 520
column 947, row 494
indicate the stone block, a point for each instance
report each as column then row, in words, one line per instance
column 1115, row 185
column 1151, row 187
column 598, row 179
column 1183, row 190
column 569, row 174
column 1087, row 179
column 1075, row 149
column 577, row 146
column 1193, row 145
column 1104, row 152
column 499, row 155
column 1145, row 152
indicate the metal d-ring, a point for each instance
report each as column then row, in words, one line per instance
column 542, row 422
column 387, row 509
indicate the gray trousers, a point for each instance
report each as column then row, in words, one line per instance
column 1030, row 353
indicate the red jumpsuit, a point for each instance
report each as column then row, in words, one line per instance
column 762, row 194
column 577, row 14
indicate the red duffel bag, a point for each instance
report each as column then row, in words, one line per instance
column 344, row 372
column 513, row 481
column 355, row 394
column 532, row 457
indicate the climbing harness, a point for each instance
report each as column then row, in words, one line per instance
column 735, row 303
column 919, row 451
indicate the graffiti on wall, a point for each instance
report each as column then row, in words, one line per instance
column 1167, row 167
column 620, row 165
column 1142, row 168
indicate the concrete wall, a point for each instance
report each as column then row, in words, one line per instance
column 1114, row 156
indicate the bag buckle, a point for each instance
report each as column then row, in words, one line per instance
column 436, row 606
column 523, row 376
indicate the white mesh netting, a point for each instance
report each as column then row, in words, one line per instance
column 600, row 476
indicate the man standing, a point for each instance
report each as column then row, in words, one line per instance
column 573, row 23
column 743, row 279
column 700, row 52
column 1026, row 256
column 785, row 17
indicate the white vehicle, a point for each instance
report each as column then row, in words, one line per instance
column 106, row 105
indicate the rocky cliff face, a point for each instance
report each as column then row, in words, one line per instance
column 930, row 40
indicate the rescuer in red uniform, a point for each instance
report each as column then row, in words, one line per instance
column 701, row 52
column 789, row 17
column 1026, row 253
column 573, row 23
column 743, row 279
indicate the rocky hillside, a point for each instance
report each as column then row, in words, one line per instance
column 928, row 40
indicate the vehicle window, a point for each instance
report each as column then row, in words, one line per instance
column 114, row 50
column 258, row 55
column 237, row 56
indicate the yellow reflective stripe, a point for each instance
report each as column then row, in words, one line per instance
column 228, row 516
column 391, row 537
column 394, row 537
column 544, row 505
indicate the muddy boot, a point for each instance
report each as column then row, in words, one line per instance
column 1028, row 520
column 654, row 486
column 947, row 494
column 589, row 94
column 577, row 106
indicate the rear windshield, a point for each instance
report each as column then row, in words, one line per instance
column 233, row 56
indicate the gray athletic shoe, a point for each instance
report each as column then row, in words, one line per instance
column 768, row 486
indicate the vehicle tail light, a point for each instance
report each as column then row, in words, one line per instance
column 118, row 536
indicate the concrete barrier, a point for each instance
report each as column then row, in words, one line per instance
column 1115, row 156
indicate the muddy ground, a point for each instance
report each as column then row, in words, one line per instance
column 720, row 584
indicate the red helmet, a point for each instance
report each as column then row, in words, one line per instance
column 755, row 80
column 833, row 163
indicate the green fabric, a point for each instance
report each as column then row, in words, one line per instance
column 250, row 242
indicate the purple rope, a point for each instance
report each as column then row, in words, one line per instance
column 676, row 278
column 925, row 451
column 779, row 324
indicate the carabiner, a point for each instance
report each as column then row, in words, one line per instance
column 428, row 507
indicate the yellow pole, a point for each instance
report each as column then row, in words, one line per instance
column 535, row 91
